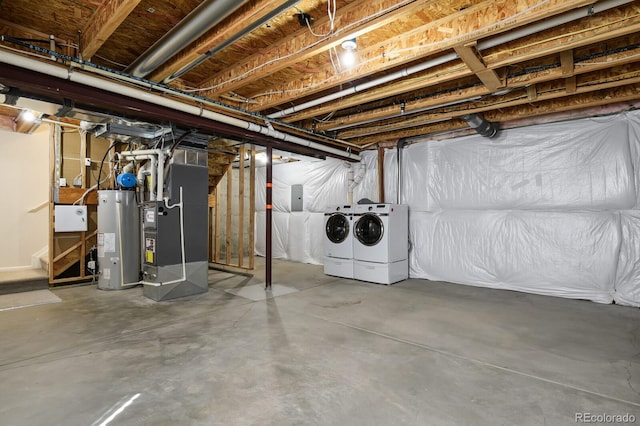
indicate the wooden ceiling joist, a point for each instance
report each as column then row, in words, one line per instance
column 453, row 71
column 595, row 81
column 509, row 55
column 306, row 45
column 106, row 19
column 476, row 22
column 472, row 58
column 560, row 100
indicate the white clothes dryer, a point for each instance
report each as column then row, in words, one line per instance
column 381, row 232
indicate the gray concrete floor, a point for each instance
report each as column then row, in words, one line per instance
column 335, row 351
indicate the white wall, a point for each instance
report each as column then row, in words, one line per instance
column 24, row 176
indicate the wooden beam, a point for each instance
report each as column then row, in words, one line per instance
column 218, row 220
column 527, row 82
column 302, row 45
column 241, row 153
column 532, row 93
column 252, row 206
column 105, row 20
column 587, row 96
column 500, row 58
column 566, row 62
column 472, row 58
column 476, row 22
column 228, row 231
column 570, row 84
column 70, row 195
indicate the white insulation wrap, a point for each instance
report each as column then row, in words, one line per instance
column 552, row 209
column 580, row 165
column 552, row 253
column 299, row 236
column 541, row 209
column 628, row 274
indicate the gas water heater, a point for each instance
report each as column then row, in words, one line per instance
column 118, row 239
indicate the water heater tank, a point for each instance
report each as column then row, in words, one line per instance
column 118, row 240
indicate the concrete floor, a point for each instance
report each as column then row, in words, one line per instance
column 332, row 351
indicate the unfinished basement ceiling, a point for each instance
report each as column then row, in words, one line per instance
column 420, row 65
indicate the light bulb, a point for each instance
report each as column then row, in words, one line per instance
column 28, row 116
column 349, row 58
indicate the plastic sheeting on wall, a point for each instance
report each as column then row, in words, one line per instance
column 628, row 273
column 536, row 210
column 552, row 253
column 299, row 236
column 582, row 165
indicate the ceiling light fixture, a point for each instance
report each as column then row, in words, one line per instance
column 28, row 116
column 349, row 55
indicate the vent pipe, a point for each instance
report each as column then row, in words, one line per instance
column 483, row 127
column 204, row 17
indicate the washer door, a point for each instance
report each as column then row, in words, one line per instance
column 369, row 229
column 337, row 228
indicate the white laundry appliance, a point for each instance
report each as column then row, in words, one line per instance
column 381, row 243
column 338, row 241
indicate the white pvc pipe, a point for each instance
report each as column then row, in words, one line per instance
column 152, row 171
column 368, row 85
column 350, row 184
column 486, row 44
column 182, row 246
column 184, row 257
column 98, row 83
column 157, row 157
column 160, row 177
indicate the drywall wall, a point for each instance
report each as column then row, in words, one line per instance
column 24, row 176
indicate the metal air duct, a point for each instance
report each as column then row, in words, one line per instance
column 228, row 42
column 483, row 127
column 204, row 17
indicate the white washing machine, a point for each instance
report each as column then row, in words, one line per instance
column 381, row 243
column 338, row 241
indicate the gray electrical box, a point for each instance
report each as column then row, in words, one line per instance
column 296, row 198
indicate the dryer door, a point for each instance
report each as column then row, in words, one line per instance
column 369, row 229
column 337, row 228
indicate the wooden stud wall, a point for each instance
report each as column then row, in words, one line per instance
column 222, row 248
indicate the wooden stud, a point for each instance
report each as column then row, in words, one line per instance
column 532, row 93
column 252, row 206
column 241, row 153
column 218, row 220
column 228, row 230
column 566, row 62
column 52, row 146
column 570, row 84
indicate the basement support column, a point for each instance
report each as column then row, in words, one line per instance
column 267, row 269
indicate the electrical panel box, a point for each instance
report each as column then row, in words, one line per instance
column 70, row 218
column 296, row 198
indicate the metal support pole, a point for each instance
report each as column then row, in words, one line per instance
column 267, row 278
